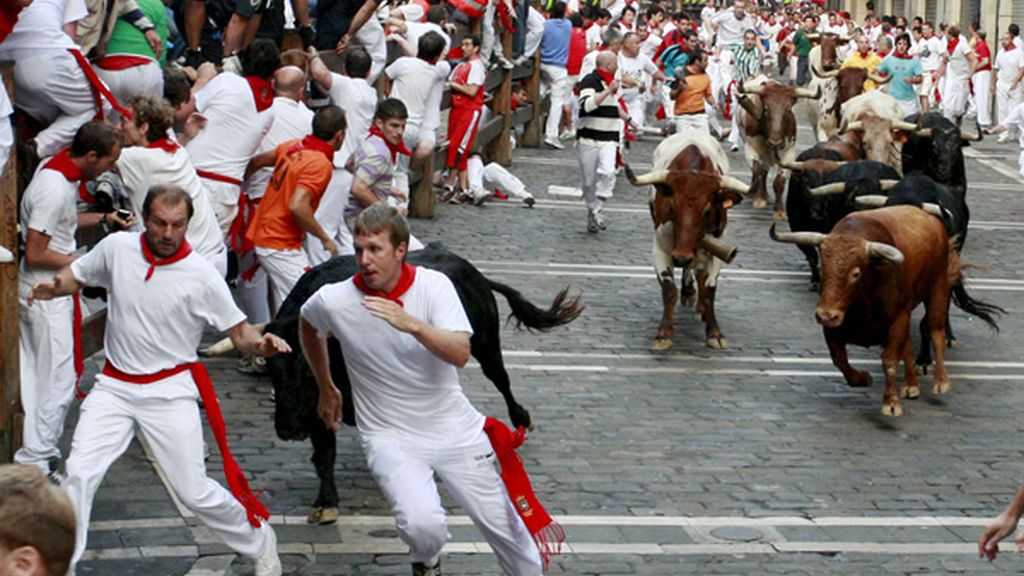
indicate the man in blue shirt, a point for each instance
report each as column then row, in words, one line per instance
column 554, row 54
column 906, row 75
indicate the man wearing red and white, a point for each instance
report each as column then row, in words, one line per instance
column 161, row 297
column 49, row 369
column 403, row 332
column 467, row 87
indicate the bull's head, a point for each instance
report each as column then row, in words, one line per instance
column 695, row 203
column 829, row 43
column 846, row 262
column 879, row 136
column 947, row 141
column 773, row 109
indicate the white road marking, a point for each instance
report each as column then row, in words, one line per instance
column 997, row 165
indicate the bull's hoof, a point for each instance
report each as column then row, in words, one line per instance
column 521, row 417
column 892, row 409
column 698, row 316
column 315, row 514
column 322, row 516
column 911, row 392
column 661, row 343
column 717, row 342
column 940, row 388
column 760, row 203
column 860, row 379
column 921, row 368
column 778, row 216
column 952, row 343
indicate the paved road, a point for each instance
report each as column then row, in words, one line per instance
column 756, row 459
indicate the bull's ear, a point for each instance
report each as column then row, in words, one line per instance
column 729, row 198
column 899, row 136
column 664, row 190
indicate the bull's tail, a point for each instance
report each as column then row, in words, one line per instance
column 985, row 311
column 562, row 311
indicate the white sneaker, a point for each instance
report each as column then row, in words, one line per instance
column 735, row 148
column 479, row 196
column 599, row 220
column 554, row 143
column 5, row 256
column 269, row 564
column 567, row 134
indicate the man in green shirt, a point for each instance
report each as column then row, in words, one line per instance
column 131, row 66
column 802, row 45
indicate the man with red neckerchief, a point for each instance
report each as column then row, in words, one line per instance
column 161, row 297
column 403, row 332
column 467, row 88
column 302, row 171
column 49, row 221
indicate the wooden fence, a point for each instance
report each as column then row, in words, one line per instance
column 10, row 405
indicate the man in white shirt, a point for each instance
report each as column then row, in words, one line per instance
column 49, row 220
column 638, row 73
column 1009, row 67
column 419, row 83
column 930, row 51
column 730, row 25
column 534, row 34
column 410, row 31
column 403, row 332
column 955, row 74
column 237, row 112
column 161, row 297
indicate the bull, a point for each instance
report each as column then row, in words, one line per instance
column 937, row 150
column 295, row 390
column 769, row 130
column 838, row 86
column 689, row 203
column 822, row 192
column 874, row 123
column 877, row 266
column 923, row 192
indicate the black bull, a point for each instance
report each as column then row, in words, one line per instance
column 296, row 393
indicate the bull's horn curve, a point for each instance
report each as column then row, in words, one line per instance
column 825, row 74
column 886, row 184
column 907, row 126
column 655, row 177
column 853, row 126
column 828, row 189
column 734, row 184
column 756, row 89
column 807, row 93
column 885, row 251
column 719, row 249
column 801, row 238
column 225, row 345
column 933, row 209
column 870, row 201
column 972, row 137
column 813, row 37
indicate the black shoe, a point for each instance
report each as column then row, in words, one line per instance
column 421, row 569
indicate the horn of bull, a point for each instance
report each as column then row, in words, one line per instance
column 886, row 184
column 908, row 127
column 843, row 38
column 813, row 37
column 655, row 177
column 757, row 89
column 853, row 126
column 808, row 93
column 870, row 201
column 719, row 249
column 825, row 74
column 885, row 251
column 878, row 79
column 972, row 137
column 734, row 184
column 749, row 106
column 801, row 238
column 923, row 132
column 828, row 189
column 933, row 209
column 803, row 165
column 225, row 346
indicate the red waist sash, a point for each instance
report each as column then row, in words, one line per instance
column 237, row 483
column 122, row 62
column 218, row 177
column 99, row 89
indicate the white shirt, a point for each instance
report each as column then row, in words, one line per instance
column 49, row 206
column 233, row 129
column 639, row 68
column 359, row 101
column 731, row 29
column 292, row 120
column 534, row 32
column 155, row 324
column 39, row 25
column 1008, row 64
column 1018, row 42
column 413, row 31
column 412, row 81
column 593, row 36
column 141, row 167
column 930, row 52
column 399, row 387
column 959, row 68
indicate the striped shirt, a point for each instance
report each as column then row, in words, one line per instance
column 748, row 63
column 372, row 165
column 600, row 122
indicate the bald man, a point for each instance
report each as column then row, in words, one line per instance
column 597, row 132
column 293, row 120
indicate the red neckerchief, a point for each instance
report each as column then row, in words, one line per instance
column 262, row 92
column 62, row 163
column 311, row 142
column 395, row 149
column 1012, row 46
column 864, row 55
column 404, row 283
column 951, row 43
column 906, row 56
column 183, row 251
column 165, row 144
column 606, row 76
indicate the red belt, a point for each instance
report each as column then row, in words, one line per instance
column 99, row 89
column 122, row 62
column 218, row 177
column 237, row 483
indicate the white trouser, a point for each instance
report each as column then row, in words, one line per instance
column 331, row 216
column 497, row 176
column 51, row 87
column 554, row 82
column 1020, row 163
column 487, row 33
column 223, row 198
column 1006, row 100
column 636, row 106
column 284, row 268
column 597, row 167
column 130, row 82
column 219, row 260
column 172, row 427
column 412, row 137
column 405, row 474
column 908, row 107
column 371, row 36
column 982, row 96
column 47, row 376
column 252, row 289
column 693, row 122
column 955, row 95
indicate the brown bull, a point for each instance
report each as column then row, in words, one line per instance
column 876, row 268
column 769, row 129
column 692, row 193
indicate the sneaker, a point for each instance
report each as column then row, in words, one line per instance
column 421, row 569
column 55, row 476
column 529, row 201
column 592, row 226
column 735, row 147
column 480, row 196
column 460, row 198
column 554, row 143
column 599, row 220
column 568, row 134
column 253, row 365
column 447, row 194
column 269, row 564
column 506, row 63
column 1003, row 138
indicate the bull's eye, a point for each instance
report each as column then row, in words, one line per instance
column 854, row 275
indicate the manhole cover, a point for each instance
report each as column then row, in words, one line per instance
column 389, row 533
column 735, row 534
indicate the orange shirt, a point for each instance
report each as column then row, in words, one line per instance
column 273, row 225
column 691, row 99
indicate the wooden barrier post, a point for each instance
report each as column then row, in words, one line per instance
column 10, row 404
column 532, row 131
column 500, row 149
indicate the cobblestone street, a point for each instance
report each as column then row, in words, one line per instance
column 757, row 459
